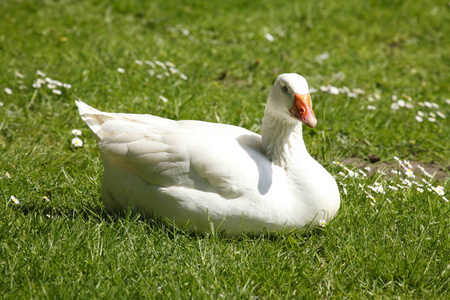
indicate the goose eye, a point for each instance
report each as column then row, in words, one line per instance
column 285, row 88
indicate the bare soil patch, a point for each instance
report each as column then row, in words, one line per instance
column 440, row 171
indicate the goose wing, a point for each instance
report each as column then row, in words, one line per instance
column 223, row 159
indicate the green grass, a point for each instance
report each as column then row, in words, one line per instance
column 69, row 247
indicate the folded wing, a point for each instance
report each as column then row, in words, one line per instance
column 209, row 157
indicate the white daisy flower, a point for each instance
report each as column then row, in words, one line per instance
column 351, row 173
column 420, row 190
column 395, row 106
column 138, row 62
column 426, row 182
column 51, row 86
column 57, row 92
column 77, row 142
column 323, row 56
column 440, row 114
column 401, row 103
column 150, row 63
column 161, row 64
column 419, row 119
column 428, row 104
column 174, row 70
column 7, row 175
column 344, row 190
column 46, row 198
column 67, row 85
column 163, row 99
column 431, row 119
column 269, row 37
column 447, row 101
column 19, row 75
column 362, row 172
column 333, row 90
column 40, row 73
column 344, row 90
column 377, row 189
column 76, row 132
column 439, row 190
column 407, row 182
column 408, row 164
column 15, row 200
column 57, row 83
column 394, row 97
column 322, row 223
column 169, row 64
column 120, row 70
column 184, row 31
column 372, row 198
column 418, row 184
column 184, row 77
column 151, row 72
column 371, row 107
column 8, row 91
column 409, row 105
column 324, row 88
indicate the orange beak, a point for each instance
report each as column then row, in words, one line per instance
column 302, row 110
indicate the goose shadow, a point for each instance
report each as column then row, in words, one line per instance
column 253, row 146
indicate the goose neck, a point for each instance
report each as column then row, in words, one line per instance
column 282, row 140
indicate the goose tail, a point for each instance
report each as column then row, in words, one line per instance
column 92, row 117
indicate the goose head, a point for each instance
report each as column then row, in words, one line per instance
column 289, row 99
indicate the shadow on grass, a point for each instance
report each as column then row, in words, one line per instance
column 99, row 214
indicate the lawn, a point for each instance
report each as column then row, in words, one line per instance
column 380, row 71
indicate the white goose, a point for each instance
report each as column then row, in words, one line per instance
column 197, row 173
